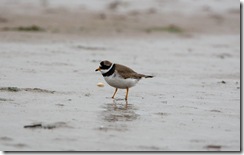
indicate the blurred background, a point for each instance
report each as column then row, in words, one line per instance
column 118, row 17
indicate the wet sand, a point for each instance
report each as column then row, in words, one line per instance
column 49, row 100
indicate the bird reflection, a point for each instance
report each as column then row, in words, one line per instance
column 123, row 107
column 119, row 111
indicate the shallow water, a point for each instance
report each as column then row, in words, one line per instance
column 48, row 78
column 184, row 107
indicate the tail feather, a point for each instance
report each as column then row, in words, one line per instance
column 148, row 76
column 145, row 76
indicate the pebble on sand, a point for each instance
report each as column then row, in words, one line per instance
column 100, row 84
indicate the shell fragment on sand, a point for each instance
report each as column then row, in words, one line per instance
column 100, row 84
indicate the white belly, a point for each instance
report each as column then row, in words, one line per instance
column 119, row 82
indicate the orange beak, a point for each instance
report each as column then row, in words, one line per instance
column 98, row 69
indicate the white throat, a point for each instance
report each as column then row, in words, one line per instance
column 105, row 71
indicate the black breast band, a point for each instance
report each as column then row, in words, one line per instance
column 110, row 72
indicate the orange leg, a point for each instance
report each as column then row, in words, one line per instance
column 126, row 104
column 116, row 89
column 127, row 91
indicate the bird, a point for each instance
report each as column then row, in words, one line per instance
column 120, row 76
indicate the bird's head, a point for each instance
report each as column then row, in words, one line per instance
column 104, row 66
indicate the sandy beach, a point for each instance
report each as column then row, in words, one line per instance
column 49, row 98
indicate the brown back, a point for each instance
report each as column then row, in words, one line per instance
column 126, row 72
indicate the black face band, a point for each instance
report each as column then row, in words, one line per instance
column 110, row 72
column 104, row 67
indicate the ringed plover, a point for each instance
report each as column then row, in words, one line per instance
column 119, row 76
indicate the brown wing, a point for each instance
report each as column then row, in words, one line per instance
column 126, row 72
